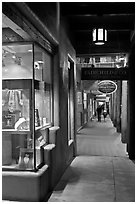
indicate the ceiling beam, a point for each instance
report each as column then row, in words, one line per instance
column 110, row 23
column 95, row 50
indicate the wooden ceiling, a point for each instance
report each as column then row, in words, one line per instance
column 81, row 17
column 117, row 17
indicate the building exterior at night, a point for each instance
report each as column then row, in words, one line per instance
column 45, row 100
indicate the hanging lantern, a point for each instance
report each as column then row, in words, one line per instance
column 99, row 36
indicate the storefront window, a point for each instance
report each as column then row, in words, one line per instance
column 85, row 101
column 42, row 70
column 17, row 61
column 114, row 61
column 26, row 105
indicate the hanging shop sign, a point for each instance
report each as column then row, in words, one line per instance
column 104, row 73
column 107, row 87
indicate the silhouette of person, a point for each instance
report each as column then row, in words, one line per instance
column 105, row 114
column 99, row 110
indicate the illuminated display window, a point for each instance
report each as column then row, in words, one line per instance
column 26, row 105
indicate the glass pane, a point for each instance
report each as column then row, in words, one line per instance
column 17, row 152
column 39, row 92
column 15, row 109
column 100, row 34
column 106, row 61
column 43, row 92
column 42, row 73
column 105, row 35
column 38, row 63
column 41, row 133
column 79, row 109
column 47, row 68
column 17, row 62
column 17, row 137
column 94, row 35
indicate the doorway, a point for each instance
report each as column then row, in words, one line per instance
column 71, row 100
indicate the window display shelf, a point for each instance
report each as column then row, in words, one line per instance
column 26, row 105
column 43, row 127
column 13, row 131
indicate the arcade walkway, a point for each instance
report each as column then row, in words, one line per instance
column 101, row 172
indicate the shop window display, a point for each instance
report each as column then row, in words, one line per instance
column 26, row 105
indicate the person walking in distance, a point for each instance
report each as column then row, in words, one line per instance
column 104, row 114
column 99, row 110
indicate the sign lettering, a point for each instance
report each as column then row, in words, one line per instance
column 104, row 73
column 107, row 87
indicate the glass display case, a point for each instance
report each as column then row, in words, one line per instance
column 26, row 105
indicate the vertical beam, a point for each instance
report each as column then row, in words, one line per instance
column 111, row 106
column 131, row 105
column 124, row 123
column 118, row 107
column 114, row 109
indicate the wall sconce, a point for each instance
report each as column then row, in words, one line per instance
column 99, row 36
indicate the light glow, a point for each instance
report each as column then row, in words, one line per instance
column 99, row 36
column 99, row 43
column 94, row 35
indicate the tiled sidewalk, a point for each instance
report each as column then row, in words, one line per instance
column 100, row 139
column 103, row 174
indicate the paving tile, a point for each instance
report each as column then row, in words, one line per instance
column 124, row 178
column 89, row 175
column 92, row 161
column 96, row 175
column 85, row 193
column 100, row 139
column 90, row 169
column 123, row 164
column 100, row 145
column 125, row 193
column 101, row 172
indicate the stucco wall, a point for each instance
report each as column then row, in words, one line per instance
column 65, row 49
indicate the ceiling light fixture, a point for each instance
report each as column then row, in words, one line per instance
column 99, row 36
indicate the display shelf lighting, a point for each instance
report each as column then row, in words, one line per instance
column 99, row 36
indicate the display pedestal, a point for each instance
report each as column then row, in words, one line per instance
column 25, row 186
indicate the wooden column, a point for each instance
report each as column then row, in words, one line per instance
column 118, row 107
column 111, row 107
column 115, row 109
column 131, row 104
column 124, row 124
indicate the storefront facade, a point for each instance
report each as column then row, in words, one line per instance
column 38, row 134
column 45, row 100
